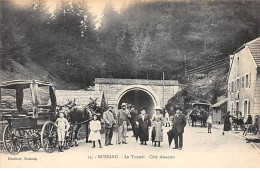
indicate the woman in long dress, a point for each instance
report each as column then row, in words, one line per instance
column 227, row 124
column 158, row 121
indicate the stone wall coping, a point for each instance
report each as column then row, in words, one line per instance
column 136, row 81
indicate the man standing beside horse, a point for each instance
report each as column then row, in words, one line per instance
column 108, row 117
column 122, row 116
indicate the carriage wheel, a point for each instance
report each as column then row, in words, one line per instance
column 67, row 143
column 49, row 137
column 35, row 142
column 12, row 142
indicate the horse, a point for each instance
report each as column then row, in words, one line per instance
column 193, row 117
column 78, row 115
column 197, row 115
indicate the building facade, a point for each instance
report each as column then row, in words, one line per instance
column 244, row 80
column 219, row 109
column 137, row 92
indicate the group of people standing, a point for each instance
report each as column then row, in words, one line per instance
column 228, row 119
column 141, row 122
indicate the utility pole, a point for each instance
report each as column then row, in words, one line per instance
column 163, row 77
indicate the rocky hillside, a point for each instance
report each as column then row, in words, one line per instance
column 202, row 88
column 31, row 71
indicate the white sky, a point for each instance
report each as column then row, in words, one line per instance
column 96, row 6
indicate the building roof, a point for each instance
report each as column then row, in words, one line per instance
column 254, row 47
column 135, row 81
column 219, row 103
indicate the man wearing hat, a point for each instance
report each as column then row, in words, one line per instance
column 178, row 125
column 110, row 121
column 122, row 116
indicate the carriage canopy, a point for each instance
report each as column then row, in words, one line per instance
column 200, row 105
column 33, row 85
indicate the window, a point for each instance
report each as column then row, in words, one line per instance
column 238, row 84
column 232, row 86
column 248, row 108
column 229, row 87
column 243, row 82
column 245, row 108
column 232, row 108
column 246, row 81
column 237, row 106
column 237, row 61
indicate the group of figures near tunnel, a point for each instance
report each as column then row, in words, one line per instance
column 140, row 123
column 145, row 127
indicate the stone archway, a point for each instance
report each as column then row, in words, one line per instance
column 138, row 96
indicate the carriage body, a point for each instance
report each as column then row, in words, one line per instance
column 28, row 122
column 204, row 106
column 199, row 112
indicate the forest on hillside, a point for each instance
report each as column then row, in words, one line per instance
column 141, row 41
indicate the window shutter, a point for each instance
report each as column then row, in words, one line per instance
column 248, row 108
column 249, row 80
column 246, row 81
column 243, row 82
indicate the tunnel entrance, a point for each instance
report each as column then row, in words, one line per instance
column 139, row 98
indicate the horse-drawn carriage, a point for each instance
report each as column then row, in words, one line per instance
column 34, row 125
column 199, row 112
column 34, row 122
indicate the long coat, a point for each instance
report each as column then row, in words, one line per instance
column 143, row 127
column 227, row 124
column 134, row 116
column 179, row 123
column 158, row 127
column 109, row 119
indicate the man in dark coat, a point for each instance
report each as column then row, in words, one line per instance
column 109, row 119
column 143, row 124
column 178, row 125
column 133, row 119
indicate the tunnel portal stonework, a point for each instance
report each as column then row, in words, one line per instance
column 114, row 89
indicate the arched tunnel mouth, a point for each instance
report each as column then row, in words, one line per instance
column 139, row 98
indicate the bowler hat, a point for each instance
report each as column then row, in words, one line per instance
column 144, row 108
column 178, row 108
column 109, row 106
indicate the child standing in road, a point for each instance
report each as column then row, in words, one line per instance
column 62, row 127
column 209, row 122
column 95, row 127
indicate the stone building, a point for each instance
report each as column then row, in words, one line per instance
column 138, row 92
column 244, row 80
